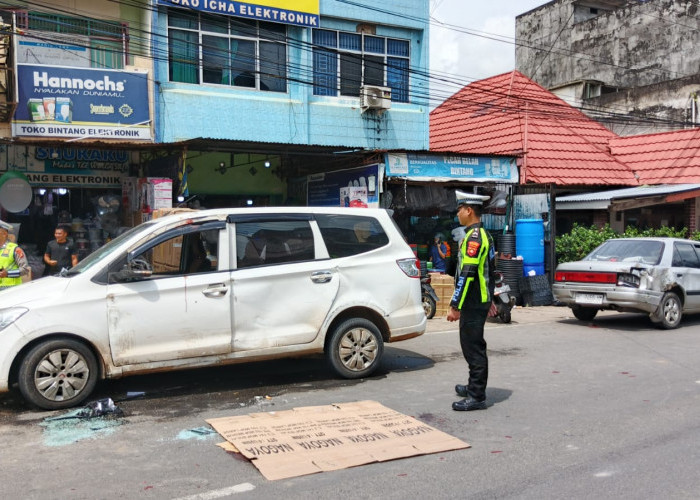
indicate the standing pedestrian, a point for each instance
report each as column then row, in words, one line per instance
column 60, row 253
column 438, row 254
column 13, row 261
column 471, row 301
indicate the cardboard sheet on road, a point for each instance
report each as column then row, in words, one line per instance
column 322, row 438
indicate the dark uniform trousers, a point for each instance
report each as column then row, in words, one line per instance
column 471, row 338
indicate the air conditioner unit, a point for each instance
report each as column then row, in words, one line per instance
column 372, row 97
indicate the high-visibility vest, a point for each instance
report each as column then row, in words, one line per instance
column 7, row 261
column 480, row 261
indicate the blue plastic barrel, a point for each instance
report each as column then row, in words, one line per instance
column 538, row 268
column 529, row 242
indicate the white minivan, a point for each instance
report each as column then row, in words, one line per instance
column 211, row 287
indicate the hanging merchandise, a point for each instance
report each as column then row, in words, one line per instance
column 48, row 203
column 107, row 207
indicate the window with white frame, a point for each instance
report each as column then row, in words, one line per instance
column 221, row 50
column 104, row 43
column 343, row 62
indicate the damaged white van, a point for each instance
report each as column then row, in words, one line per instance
column 211, row 287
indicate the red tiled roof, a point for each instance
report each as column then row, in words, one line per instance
column 664, row 158
column 509, row 114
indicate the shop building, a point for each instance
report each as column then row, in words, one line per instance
column 564, row 155
column 75, row 116
column 262, row 97
column 235, row 104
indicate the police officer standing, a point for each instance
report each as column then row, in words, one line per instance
column 13, row 262
column 471, row 301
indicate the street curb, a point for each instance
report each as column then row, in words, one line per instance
column 520, row 316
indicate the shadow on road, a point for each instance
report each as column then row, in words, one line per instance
column 174, row 393
column 631, row 322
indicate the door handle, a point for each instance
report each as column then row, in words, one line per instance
column 321, row 276
column 218, row 290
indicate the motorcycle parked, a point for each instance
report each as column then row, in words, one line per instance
column 503, row 301
column 428, row 294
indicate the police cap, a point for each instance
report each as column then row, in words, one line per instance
column 470, row 198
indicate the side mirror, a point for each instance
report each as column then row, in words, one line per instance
column 139, row 268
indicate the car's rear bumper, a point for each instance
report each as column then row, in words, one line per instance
column 614, row 297
column 408, row 326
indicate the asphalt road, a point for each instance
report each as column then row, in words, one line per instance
column 607, row 409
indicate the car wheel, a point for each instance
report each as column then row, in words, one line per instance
column 58, row 374
column 670, row 311
column 584, row 313
column 355, row 348
column 429, row 306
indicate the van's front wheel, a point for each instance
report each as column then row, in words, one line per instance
column 58, row 374
column 355, row 348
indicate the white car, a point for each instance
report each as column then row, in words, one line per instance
column 656, row 276
column 213, row 287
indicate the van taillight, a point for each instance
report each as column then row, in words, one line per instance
column 411, row 267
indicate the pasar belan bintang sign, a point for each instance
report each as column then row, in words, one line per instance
column 297, row 12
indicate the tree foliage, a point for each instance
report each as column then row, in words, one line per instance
column 582, row 240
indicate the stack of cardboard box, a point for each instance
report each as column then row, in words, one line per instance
column 444, row 286
column 166, row 256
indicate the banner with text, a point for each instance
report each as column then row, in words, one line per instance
column 424, row 167
column 68, row 167
column 81, row 103
column 297, row 12
column 356, row 187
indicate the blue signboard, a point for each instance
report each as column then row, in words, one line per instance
column 357, row 187
column 298, row 12
column 435, row 167
column 81, row 103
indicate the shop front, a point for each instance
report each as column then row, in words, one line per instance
column 420, row 187
column 77, row 187
column 76, row 134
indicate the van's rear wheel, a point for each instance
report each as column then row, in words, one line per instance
column 355, row 348
column 58, row 374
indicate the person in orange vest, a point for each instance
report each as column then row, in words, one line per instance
column 13, row 261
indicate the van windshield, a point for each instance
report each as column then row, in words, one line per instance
column 107, row 249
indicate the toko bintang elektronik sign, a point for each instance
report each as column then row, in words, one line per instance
column 81, row 103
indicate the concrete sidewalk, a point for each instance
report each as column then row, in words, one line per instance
column 520, row 316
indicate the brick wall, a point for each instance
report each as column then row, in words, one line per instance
column 600, row 218
column 690, row 215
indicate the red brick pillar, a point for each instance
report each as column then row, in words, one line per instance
column 690, row 215
column 600, row 218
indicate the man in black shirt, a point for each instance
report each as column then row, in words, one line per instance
column 60, row 253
